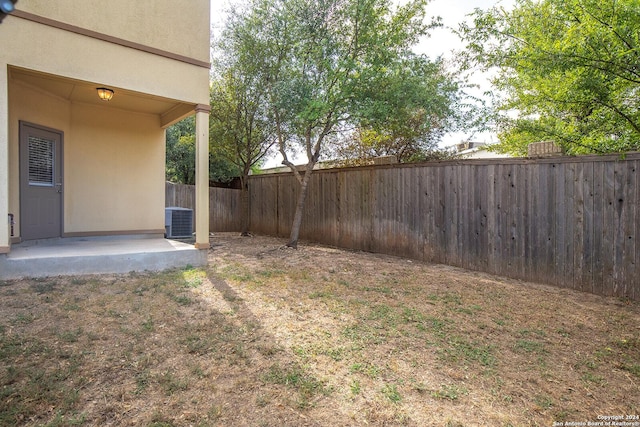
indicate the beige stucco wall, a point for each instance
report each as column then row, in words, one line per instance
column 178, row 27
column 113, row 162
column 114, row 171
column 38, row 47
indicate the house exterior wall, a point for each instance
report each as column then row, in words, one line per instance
column 125, row 194
column 157, row 23
column 113, row 159
column 113, row 162
column 54, row 51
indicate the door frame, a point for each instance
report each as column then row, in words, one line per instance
column 58, row 176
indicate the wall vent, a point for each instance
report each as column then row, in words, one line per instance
column 178, row 222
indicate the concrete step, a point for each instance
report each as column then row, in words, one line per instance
column 97, row 255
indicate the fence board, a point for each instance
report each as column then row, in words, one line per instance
column 331, row 207
column 588, row 227
column 579, row 261
column 599, row 228
column 609, row 227
column 631, row 229
column 426, row 215
column 450, row 198
column 463, row 240
column 558, row 251
column 440, row 215
column 502, row 220
column 529, row 227
column 412, row 200
column 547, row 242
column 490, row 201
column 510, row 220
column 566, row 207
column 479, row 223
column 264, row 213
column 620, row 222
column 516, row 224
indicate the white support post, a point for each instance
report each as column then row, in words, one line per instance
column 5, row 242
column 202, row 177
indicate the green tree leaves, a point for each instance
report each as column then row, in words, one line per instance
column 316, row 59
column 181, row 156
column 570, row 68
column 405, row 111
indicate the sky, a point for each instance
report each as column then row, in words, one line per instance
column 442, row 42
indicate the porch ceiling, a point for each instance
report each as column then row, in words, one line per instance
column 84, row 92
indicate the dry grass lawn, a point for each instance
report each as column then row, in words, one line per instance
column 268, row 336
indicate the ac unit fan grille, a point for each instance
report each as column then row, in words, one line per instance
column 179, row 222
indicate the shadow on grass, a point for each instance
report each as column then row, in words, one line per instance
column 142, row 349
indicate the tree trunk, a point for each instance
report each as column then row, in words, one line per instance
column 244, row 205
column 297, row 218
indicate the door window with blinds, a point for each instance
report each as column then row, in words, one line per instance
column 41, row 161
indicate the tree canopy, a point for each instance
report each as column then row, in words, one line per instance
column 181, row 156
column 404, row 113
column 330, row 67
column 569, row 69
column 241, row 130
column 241, row 124
column 181, row 152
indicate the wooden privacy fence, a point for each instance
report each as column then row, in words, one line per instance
column 224, row 205
column 572, row 222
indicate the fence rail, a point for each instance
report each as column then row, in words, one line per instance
column 572, row 222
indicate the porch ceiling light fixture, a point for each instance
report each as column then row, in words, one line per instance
column 104, row 93
column 6, row 6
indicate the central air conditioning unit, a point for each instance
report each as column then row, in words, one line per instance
column 178, row 222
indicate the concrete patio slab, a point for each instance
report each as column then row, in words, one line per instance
column 97, row 255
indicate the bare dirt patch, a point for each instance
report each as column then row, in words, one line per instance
column 269, row 336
